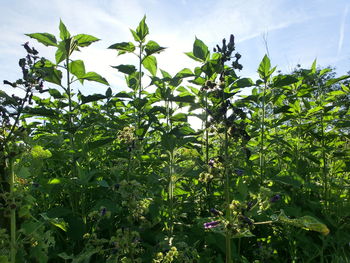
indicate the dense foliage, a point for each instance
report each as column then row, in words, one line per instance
column 124, row 177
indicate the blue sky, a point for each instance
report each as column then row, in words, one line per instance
column 296, row 31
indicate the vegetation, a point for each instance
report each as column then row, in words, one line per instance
column 124, row 177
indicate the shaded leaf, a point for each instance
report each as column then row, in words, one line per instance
column 84, row 40
column 44, row 38
column 126, row 69
column 123, row 46
column 150, row 63
column 93, row 76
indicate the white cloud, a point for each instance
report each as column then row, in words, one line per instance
column 342, row 30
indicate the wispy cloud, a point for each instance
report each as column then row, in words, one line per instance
column 342, row 30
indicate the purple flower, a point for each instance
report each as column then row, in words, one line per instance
column 247, row 220
column 239, row 172
column 275, row 198
column 211, row 224
column 103, row 211
column 215, row 212
column 211, row 163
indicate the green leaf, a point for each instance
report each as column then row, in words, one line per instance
column 335, row 80
column 153, row 47
column 190, row 54
column 305, row 222
column 61, row 52
column 93, row 76
column 44, row 38
column 40, row 112
column 53, row 75
column 99, row 143
column 186, row 99
column 200, row 50
column 284, row 80
column 108, row 92
column 77, row 68
column 179, row 117
column 168, row 141
column 64, row 34
column 84, row 40
column 123, row 46
column 126, row 69
column 243, row 83
column 91, row 98
column 150, row 63
column 184, row 73
column 58, row 222
column 264, row 69
column 136, row 37
column 55, row 93
column 142, row 30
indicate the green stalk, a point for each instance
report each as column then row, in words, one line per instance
column 206, row 130
column 70, row 107
column 171, row 195
column 227, row 199
column 74, row 197
column 227, row 187
column 140, row 84
column 13, row 250
column 324, row 163
column 262, row 141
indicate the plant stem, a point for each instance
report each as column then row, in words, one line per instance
column 206, row 130
column 262, row 141
column 13, row 251
column 171, row 194
column 140, row 85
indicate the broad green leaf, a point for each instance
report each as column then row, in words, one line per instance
column 165, row 74
column 200, row 50
column 65, row 49
column 84, row 40
column 179, row 117
column 123, row 46
column 186, row 99
column 108, row 92
column 38, row 152
column 284, row 80
column 142, row 30
column 93, row 76
column 99, row 143
column 306, row 222
column 55, row 93
column 91, row 98
column 77, row 68
column 168, row 141
column 191, row 55
column 264, row 69
column 44, row 38
column 126, row 69
column 153, row 47
column 136, row 37
column 40, row 112
column 335, row 80
column 150, row 63
column 243, row 83
column 52, row 75
column 58, row 222
column 124, row 94
column 184, row 73
column 64, row 34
